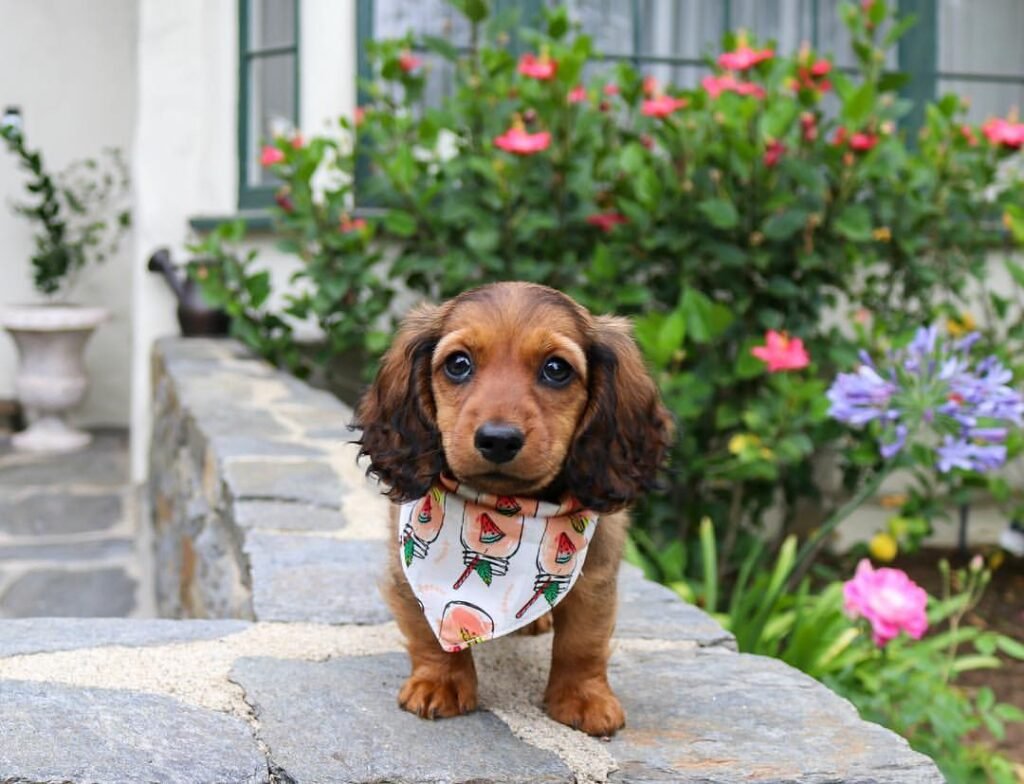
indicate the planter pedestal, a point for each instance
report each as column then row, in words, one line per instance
column 51, row 377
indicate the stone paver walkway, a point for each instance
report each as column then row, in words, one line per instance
column 69, row 536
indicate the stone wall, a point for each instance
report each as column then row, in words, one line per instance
column 262, row 515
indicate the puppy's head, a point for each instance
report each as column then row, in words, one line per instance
column 515, row 389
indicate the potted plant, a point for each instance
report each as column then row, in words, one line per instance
column 80, row 219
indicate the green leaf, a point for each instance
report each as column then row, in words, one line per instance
column 483, row 240
column 258, row 288
column 854, row 223
column 484, row 570
column 1014, row 216
column 474, row 10
column 633, row 158
column 400, row 223
column 720, row 212
column 857, row 109
column 785, row 225
column 1010, row 647
column 777, row 119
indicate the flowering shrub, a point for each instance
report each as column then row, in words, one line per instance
column 723, row 218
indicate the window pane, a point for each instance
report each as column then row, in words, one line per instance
column 271, row 23
column 271, row 106
column 395, row 18
column 982, row 37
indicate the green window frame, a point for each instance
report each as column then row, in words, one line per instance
column 252, row 192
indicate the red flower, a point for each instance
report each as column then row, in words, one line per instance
column 862, row 141
column 773, row 152
column 409, row 62
column 360, row 115
column 578, row 94
column 811, row 75
column 517, row 140
column 1004, row 132
column 662, row 106
column 543, row 67
column 744, row 58
column 611, row 89
column 297, row 141
column 348, row 225
column 840, row 137
column 651, row 85
column 808, row 127
column 606, row 221
column 283, row 200
column 782, row 352
column 270, row 156
column 727, row 83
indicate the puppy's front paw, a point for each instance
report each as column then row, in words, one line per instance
column 438, row 697
column 590, row 706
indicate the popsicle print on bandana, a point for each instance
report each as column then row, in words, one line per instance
column 424, row 525
column 491, row 533
column 464, row 624
column 556, row 558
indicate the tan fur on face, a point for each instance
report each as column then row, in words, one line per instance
column 509, row 339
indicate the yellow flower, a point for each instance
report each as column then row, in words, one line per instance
column 959, row 327
column 883, row 547
column 741, row 442
column 767, row 454
column 996, row 560
column 882, row 234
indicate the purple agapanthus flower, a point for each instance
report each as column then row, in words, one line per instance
column 933, row 386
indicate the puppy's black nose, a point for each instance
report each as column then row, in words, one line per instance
column 498, row 442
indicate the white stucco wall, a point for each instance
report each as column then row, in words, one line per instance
column 185, row 144
column 70, row 67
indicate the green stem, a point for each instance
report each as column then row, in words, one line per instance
column 813, row 545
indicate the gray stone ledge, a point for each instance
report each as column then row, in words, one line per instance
column 52, row 733
column 45, row 635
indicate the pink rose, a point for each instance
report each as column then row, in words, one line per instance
column 889, row 600
column 271, row 156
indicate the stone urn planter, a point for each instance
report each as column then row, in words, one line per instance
column 51, row 378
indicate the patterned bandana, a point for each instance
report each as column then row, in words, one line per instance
column 480, row 564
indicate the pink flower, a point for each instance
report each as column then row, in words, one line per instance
column 606, row 221
column 651, row 85
column 360, row 115
column 773, row 152
column 578, row 94
column 727, row 83
column 270, row 156
column 1004, row 132
column 968, row 133
column 810, row 75
column 348, row 225
column 517, row 140
column 409, row 62
column 744, row 58
column 662, row 106
column 782, row 352
column 611, row 89
column 543, row 67
column 297, row 141
column 862, row 141
column 889, row 600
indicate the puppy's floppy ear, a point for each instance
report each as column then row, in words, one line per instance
column 397, row 413
column 624, row 434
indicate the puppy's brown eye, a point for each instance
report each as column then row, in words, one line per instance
column 458, row 367
column 556, row 372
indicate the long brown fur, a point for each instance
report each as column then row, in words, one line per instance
column 602, row 438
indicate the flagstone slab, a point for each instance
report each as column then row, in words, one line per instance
column 44, row 635
column 55, row 733
column 720, row 716
column 316, row 579
column 78, row 593
column 51, row 512
column 353, row 731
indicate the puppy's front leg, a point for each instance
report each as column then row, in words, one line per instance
column 441, row 684
column 578, row 693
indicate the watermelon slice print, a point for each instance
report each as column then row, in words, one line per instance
column 426, row 512
column 566, row 549
column 507, row 506
column 489, row 532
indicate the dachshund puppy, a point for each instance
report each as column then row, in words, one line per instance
column 515, row 390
